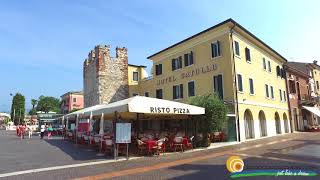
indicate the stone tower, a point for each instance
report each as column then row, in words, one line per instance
column 105, row 78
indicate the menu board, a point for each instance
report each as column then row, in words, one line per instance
column 123, row 132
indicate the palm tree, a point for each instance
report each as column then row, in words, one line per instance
column 33, row 103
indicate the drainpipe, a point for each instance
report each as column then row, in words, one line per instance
column 235, row 84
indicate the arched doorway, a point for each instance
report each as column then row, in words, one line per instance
column 278, row 123
column 248, row 124
column 286, row 123
column 263, row 124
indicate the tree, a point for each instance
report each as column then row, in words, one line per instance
column 48, row 103
column 18, row 108
column 215, row 116
column 33, row 103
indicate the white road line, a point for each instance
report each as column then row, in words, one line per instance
column 62, row 167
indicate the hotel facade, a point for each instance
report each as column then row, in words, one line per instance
column 225, row 59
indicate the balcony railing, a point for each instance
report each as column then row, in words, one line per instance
column 308, row 100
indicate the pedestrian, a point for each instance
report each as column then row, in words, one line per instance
column 22, row 131
column 30, row 131
column 50, row 129
column 42, row 129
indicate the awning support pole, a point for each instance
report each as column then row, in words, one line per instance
column 114, row 135
column 76, row 132
column 101, row 132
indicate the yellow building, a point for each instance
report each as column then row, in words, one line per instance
column 229, row 60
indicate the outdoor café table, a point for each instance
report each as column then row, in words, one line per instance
column 150, row 144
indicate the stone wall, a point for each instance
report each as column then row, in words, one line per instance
column 105, row 77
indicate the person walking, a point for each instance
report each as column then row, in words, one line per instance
column 42, row 129
column 50, row 129
column 30, row 131
column 22, row 131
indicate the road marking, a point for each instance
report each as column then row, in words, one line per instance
column 62, row 167
column 278, row 159
column 152, row 167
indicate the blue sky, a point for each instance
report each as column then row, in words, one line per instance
column 43, row 43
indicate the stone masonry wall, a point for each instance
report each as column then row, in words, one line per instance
column 105, row 77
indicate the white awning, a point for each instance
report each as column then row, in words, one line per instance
column 82, row 111
column 141, row 104
column 314, row 110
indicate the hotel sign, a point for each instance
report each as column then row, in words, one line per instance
column 197, row 71
column 188, row 74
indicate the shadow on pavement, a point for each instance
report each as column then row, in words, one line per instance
column 76, row 152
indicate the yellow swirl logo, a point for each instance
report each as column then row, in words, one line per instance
column 234, row 164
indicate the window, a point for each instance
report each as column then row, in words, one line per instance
column 292, row 87
column 74, row 99
column 271, row 90
column 236, row 48
column 269, row 66
column 280, row 93
column 146, row 94
column 317, row 82
column 218, row 85
column 282, row 73
column 267, row 90
column 284, row 96
column 264, row 63
column 247, row 52
column 251, row 86
column 176, row 63
column 135, row 94
column 188, row 59
column 215, row 49
column 178, row 91
column 278, row 71
column 159, row 94
column 240, row 87
column 158, row 69
column 191, row 89
column 135, row 76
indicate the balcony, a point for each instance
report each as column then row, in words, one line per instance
column 308, row 100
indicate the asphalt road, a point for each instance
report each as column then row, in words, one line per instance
column 298, row 151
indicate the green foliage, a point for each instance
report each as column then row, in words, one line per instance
column 74, row 110
column 18, row 108
column 48, row 103
column 215, row 116
column 6, row 121
column 33, row 111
